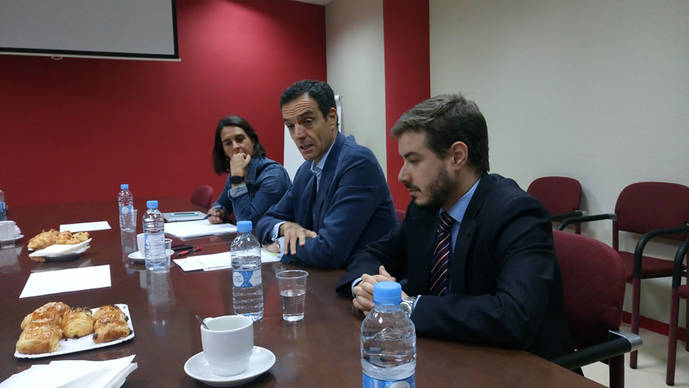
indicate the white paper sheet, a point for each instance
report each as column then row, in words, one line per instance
column 85, row 226
column 218, row 261
column 198, row 228
column 65, row 280
column 74, row 373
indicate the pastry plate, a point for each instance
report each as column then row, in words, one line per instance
column 260, row 361
column 59, row 252
column 70, row 345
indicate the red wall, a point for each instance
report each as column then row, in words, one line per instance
column 407, row 75
column 73, row 130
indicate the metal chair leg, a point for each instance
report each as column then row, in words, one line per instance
column 672, row 339
column 635, row 318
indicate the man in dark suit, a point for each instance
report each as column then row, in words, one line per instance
column 475, row 253
column 339, row 201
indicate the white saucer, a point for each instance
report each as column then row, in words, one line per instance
column 15, row 238
column 261, row 360
column 139, row 256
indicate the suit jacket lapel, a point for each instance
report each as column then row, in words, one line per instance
column 465, row 237
column 327, row 176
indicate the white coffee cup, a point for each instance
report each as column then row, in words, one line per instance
column 140, row 242
column 8, row 233
column 228, row 343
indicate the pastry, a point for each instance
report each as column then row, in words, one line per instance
column 43, row 239
column 70, row 238
column 38, row 338
column 49, row 314
column 110, row 323
column 77, row 322
column 46, row 239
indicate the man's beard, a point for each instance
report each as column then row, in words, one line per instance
column 439, row 190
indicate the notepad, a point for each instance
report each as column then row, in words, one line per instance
column 199, row 228
column 85, row 226
column 65, row 280
column 218, row 261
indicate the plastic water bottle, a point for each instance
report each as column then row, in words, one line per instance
column 3, row 207
column 154, row 238
column 247, row 287
column 388, row 341
column 125, row 200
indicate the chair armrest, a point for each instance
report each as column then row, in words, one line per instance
column 639, row 250
column 578, row 220
column 576, row 213
column 619, row 343
column 679, row 259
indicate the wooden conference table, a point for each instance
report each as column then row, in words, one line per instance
column 321, row 350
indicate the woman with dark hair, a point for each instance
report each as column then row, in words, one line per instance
column 254, row 182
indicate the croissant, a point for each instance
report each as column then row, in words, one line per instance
column 77, row 322
column 39, row 339
column 110, row 323
column 49, row 314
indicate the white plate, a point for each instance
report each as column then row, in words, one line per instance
column 60, row 250
column 261, row 360
column 71, row 345
column 139, row 256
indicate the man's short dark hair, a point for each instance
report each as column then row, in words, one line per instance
column 318, row 90
column 445, row 119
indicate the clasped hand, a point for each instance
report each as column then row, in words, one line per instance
column 239, row 163
column 294, row 234
column 363, row 291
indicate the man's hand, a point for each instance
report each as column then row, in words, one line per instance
column 363, row 292
column 294, row 234
column 239, row 163
column 217, row 215
column 272, row 247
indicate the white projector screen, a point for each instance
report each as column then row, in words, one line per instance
column 143, row 29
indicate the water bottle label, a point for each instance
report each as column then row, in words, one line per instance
column 246, row 278
column 370, row 382
column 125, row 209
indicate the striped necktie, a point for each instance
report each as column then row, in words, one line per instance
column 441, row 255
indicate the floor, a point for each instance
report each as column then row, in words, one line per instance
column 650, row 371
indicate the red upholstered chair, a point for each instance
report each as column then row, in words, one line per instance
column 202, row 196
column 593, row 284
column 678, row 291
column 560, row 195
column 652, row 209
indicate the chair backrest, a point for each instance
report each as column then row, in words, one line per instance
column 558, row 194
column 593, row 281
column 645, row 206
column 202, row 196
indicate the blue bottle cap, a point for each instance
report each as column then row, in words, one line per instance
column 124, row 186
column 387, row 293
column 152, row 204
column 244, row 226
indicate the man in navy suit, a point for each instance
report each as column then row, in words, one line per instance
column 474, row 253
column 339, row 201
